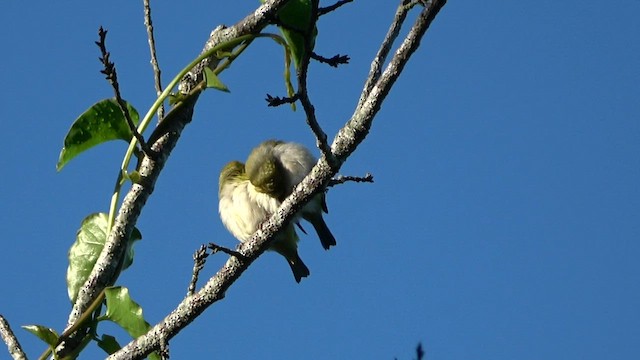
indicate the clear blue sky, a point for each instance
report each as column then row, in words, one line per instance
column 504, row 221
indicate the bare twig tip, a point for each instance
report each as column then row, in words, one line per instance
column 341, row 179
column 333, row 61
column 328, row 9
column 217, row 248
column 273, row 101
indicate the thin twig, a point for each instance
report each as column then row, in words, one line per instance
column 341, row 179
column 154, row 59
column 333, row 61
column 419, row 352
column 164, row 139
column 328, row 9
column 379, row 84
column 385, row 47
column 132, row 204
column 110, row 74
column 199, row 259
column 277, row 101
column 215, row 248
column 9, row 338
column 344, row 144
column 303, row 94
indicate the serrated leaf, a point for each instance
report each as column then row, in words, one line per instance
column 213, row 81
column 84, row 252
column 100, row 123
column 122, row 310
column 109, row 344
column 44, row 333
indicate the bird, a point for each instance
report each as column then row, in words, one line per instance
column 276, row 167
column 243, row 208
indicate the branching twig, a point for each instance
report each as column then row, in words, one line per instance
column 164, row 138
column 379, row 84
column 341, row 179
column 385, row 47
column 199, row 259
column 343, row 145
column 154, row 59
column 215, row 248
column 333, row 61
column 328, row 9
column 303, row 94
column 110, row 73
column 277, row 101
column 9, row 338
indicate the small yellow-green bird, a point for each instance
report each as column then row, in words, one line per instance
column 243, row 208
column 276, row 167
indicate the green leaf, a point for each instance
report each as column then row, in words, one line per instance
column 213, row 81
column 287, row 77
column 109, row 344
column 102, row 122
column 84, row 252
column 295, row 18
column 45, row 334
column 122, row 310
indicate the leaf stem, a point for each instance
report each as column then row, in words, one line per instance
column 153, row 110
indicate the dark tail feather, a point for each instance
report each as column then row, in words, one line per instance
column 298, row 268
column 325, row 235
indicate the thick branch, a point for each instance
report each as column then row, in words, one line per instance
column 163, row 141
column 385, row 47
column 9, row 338
column 344, row 144
column 378, row 85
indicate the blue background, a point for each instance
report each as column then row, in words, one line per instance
column 503, row 222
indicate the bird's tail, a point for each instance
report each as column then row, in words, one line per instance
column 287, row 246
column 326, row 237
column 298, row 268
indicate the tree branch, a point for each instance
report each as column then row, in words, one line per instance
column 378, row 85
column 9, row 338
column 333, row 61
column 383, row 52
column 154, row 58
column 112, row 75
column 199, row 259
column 303, row 94
column 274, row 101
column 343, row 145
column 162, row 140
column 328, row 9
column 341, row 179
